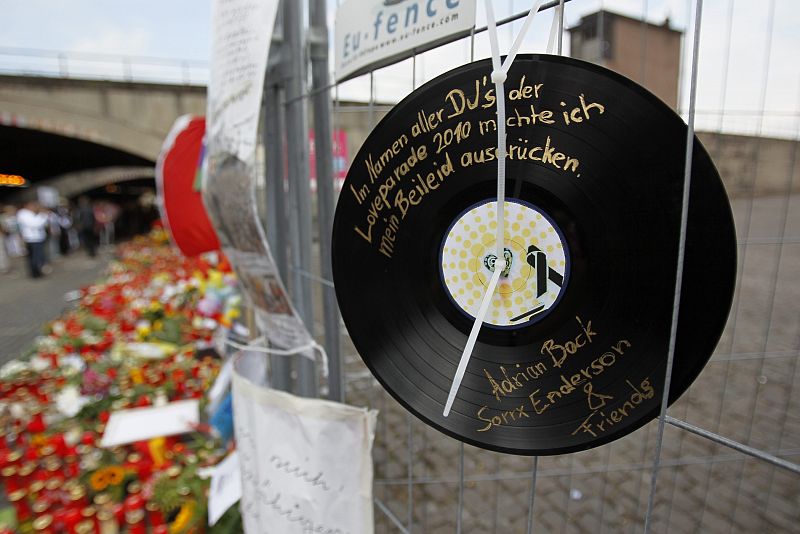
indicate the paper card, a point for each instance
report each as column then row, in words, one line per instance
column 225, row 488
column 137, row 424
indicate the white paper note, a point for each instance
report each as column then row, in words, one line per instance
column 137, row 424
column 225, row 488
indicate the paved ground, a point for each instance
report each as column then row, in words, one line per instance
column 27, row 304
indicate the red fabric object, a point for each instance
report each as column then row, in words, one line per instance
column 182, row 209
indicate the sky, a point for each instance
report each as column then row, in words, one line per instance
column 180, row 30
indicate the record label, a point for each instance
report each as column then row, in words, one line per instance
column 536, row 262
column 573, row 351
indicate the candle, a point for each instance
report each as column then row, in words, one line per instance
column 37, row 424
column 134, row 502
column 20, row 504
column 107, row 521
column 72, row 516
column 119, row 513
column 154, row 515
column 10, row 478
column 43, row 524
column 40, row 507
column 86, row 527
column 88, row 515
column 77, row 497
column 135, row 521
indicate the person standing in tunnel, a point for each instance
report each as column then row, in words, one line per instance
column 65, row 224
column 86, row 222
column 32, row 221
column 5, row 262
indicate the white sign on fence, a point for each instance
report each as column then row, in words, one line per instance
column 306, row 464
column 374, row 33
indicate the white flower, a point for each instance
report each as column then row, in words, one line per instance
column 59, row 328
column 69, row 401
column 71, row 364
column 17, row 410
column 39, row 364
column 12, row 367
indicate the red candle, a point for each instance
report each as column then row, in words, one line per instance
column 31, row 455
column 77, row 498
column 118, row 509
column 88, row 437
column 10, row 478
column 134, row 502
column 44, row 524
column 135, row 521
column 25, row 471
column 20, row 504
column 154, row 515
column 71, row 518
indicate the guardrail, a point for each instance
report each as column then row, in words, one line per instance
column 95, row 65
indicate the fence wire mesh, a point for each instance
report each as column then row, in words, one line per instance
column 727, row 458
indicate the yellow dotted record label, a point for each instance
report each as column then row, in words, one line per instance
column 537, row 263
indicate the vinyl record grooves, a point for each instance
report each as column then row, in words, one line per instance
column 573, row 352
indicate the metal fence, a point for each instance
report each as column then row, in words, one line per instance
column 724, row 458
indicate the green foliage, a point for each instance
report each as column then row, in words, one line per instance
column 229, row 523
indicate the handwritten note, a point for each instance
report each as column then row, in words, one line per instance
column 586, row 361
column 241, row 39
column 458, row 134
column 306, row 463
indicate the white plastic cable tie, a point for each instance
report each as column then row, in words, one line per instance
column 521, row 35
column 499, row 266
column 257, row 345
column 496, row 66
column 551, row 41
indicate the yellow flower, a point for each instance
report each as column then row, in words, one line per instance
column 157, row 448
column 98, row 480
column 136, row 376
column 183, row 518
column 38, row 441
column 143, row 329
column 215, row 278
column 115, row 474
column 108, row 476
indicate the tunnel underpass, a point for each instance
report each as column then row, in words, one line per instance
column 75, row 167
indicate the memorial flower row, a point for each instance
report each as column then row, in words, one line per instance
column 142, row 337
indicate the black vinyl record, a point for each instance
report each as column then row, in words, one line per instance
column 573, row 351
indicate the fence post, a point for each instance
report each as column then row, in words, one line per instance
column 297, row 145
column 276, row 222
column 325, row 193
